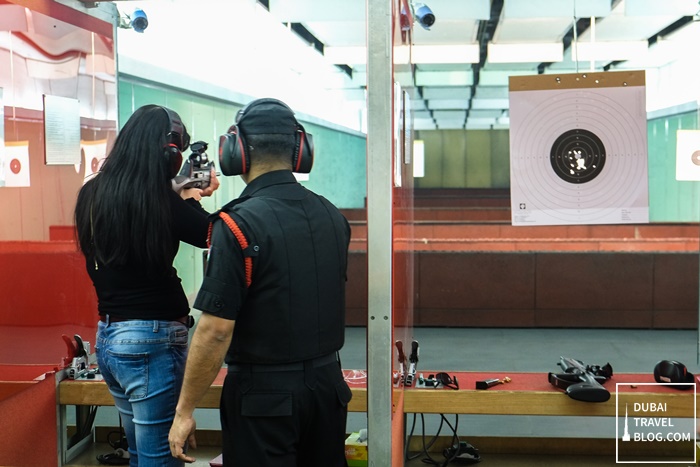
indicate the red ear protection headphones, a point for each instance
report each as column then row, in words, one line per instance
column 233, row 153
column 176, row 140
column 672, row 371
column 234, row 158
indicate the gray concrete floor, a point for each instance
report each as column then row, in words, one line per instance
column 506, row 349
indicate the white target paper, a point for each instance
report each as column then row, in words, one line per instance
column 16, row 164
column 688, row 155
column 94, row 153
column 578, row 149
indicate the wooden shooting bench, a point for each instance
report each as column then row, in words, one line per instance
column 95, row 393
column 531, row 394
column 525, row 394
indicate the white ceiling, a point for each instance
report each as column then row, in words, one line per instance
column 468, row 86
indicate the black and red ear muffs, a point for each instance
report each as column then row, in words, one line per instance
column 176, row 140
column 303, row 156
column 234, row 158
column 174, row 155
column 671, row 371
column 233, row 153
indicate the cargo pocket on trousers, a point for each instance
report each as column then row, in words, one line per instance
column 266, row 405
column 344, row 393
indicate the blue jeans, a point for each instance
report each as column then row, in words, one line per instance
column 143, row 363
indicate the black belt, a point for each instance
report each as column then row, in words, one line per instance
column 186, row 320
column 294, row 366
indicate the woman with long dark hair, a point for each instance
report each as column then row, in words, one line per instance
column 129, row 223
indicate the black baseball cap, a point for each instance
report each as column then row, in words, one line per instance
column 267, row 117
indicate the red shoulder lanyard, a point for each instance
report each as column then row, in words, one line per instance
column 238, row 233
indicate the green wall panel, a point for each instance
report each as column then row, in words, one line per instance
column 143, row 95
column 500, row 159
column 202, row 124
column 339, row 171
column 125, row 93
column 479, row 155
column 670, row 200
column 454, row 167
column 433, row 148
column 465, row 159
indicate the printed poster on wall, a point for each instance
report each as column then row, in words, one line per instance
column 578, row 149
column 62, row 130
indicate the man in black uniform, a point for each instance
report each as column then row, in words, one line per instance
column 276, row 272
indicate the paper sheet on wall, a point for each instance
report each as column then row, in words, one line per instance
column 62, row 130
column 398, row 134
column 578, row 148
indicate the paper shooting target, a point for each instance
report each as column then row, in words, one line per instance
column 578, row 149
column 688, row 155
column 93, row 154
column 16, row 161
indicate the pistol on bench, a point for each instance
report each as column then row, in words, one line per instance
column 582, row 382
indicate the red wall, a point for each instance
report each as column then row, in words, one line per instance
column 45, row 292
column 28, row 428
column 539, row 289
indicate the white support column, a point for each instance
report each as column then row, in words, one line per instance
column 379, row 230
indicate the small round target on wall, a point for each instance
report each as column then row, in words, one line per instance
column 688, row 155
column 15, row 166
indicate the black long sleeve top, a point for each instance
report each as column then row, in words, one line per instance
column 131, row 292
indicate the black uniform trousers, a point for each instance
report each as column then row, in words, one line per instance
column 289, row 415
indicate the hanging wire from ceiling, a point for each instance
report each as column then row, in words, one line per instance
column 575, row 41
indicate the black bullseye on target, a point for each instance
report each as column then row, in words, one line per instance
column 577, row 156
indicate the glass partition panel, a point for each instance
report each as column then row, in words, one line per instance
column 49, row 54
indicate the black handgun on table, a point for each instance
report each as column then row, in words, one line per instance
column 582, row 382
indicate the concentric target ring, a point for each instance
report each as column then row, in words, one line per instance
column 15, row 166
column 695, row 157
column 577, row 156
